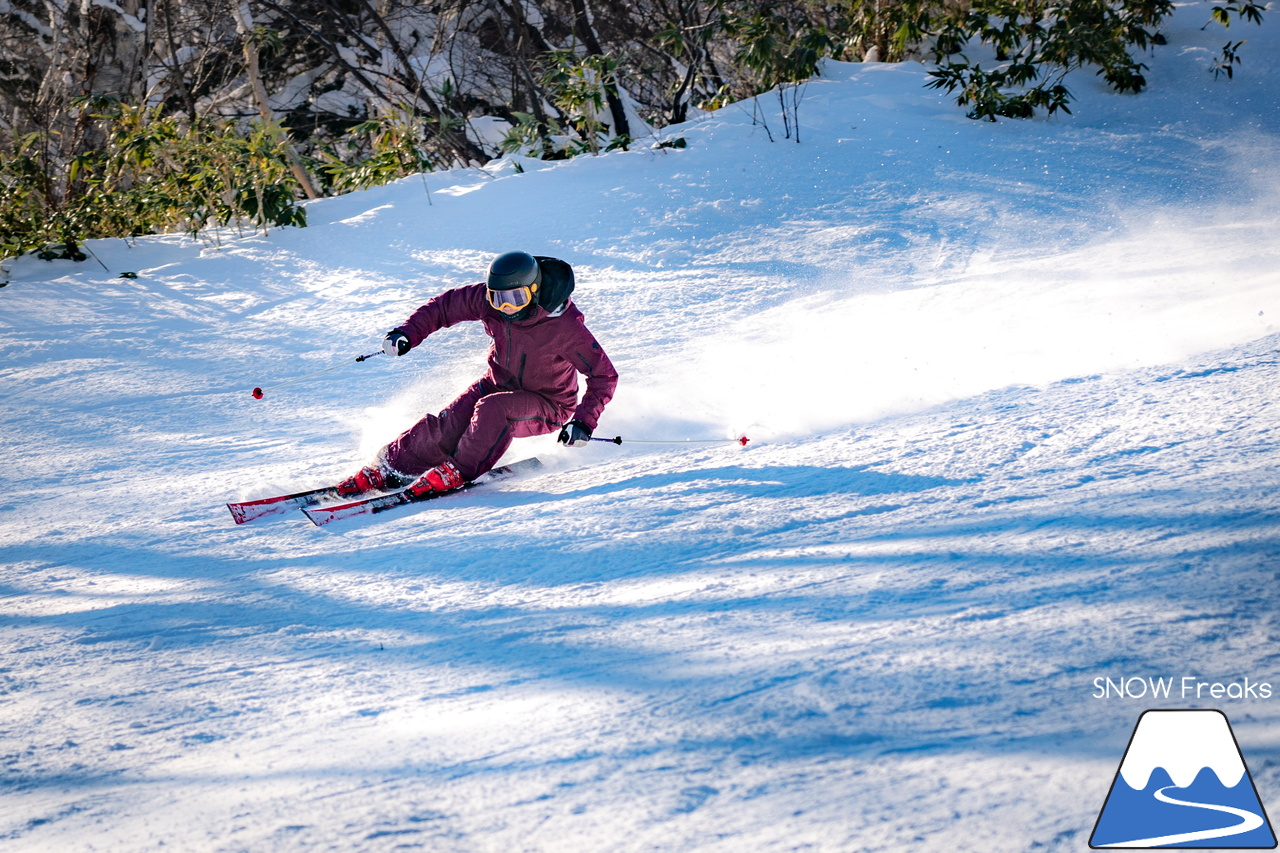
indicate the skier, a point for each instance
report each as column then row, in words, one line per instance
column 540, row 345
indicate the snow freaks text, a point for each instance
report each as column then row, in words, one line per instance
column 1187, row 687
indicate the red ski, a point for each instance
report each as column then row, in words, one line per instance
column 321, row 515
column 249, row 510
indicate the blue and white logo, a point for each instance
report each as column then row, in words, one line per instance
column 1183, row 783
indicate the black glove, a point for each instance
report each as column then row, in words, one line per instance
column 395, row 343
column 573, row 432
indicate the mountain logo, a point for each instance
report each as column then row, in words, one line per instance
column 1182, row 783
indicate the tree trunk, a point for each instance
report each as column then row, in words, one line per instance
column 587, row 35
column 244, row 23
column 464, row 149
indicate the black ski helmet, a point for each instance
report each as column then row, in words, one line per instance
column 514, row 269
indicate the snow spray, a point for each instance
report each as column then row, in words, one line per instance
column 259, row 392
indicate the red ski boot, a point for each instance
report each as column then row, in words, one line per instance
column 371, row 478
column 440, row 479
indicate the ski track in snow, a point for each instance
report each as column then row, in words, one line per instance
column 1248, row 821
column 1014, row 422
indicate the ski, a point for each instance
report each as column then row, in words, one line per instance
column 249, row 510
column 321, row 515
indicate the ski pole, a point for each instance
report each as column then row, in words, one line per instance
column 617, row 439
column 258, row 392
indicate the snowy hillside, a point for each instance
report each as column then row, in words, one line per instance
column 1010, row 393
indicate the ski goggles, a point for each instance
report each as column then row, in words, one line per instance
column 511, row 301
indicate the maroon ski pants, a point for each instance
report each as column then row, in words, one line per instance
column 473, row 431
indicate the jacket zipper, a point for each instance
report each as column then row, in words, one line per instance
column 507, row 365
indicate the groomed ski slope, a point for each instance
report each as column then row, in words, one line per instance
column 1010, row 389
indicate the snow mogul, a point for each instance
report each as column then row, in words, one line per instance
column 540, row 345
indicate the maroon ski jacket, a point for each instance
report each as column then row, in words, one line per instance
column 543, row 354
